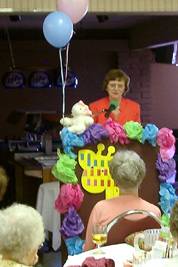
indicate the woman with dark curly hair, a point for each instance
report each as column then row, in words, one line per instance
column 116, row 85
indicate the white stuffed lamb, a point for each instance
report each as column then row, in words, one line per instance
column 81, row 118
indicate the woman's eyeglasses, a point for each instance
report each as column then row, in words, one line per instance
column 116, row 85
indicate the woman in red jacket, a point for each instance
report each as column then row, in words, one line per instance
column 116, row 85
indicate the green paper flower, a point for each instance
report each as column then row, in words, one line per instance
column 134, row 130
column 64, row 170
column 165, row 219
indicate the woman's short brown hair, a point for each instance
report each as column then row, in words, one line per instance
column 116, row 74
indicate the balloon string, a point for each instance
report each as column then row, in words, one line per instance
column 66, row 64
column 62, row 75
column 10, row 47
column 63, row 83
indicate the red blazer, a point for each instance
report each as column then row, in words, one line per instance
column 129, row 110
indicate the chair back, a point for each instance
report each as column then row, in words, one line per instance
column 121, row 227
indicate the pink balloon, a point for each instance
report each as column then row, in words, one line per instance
column 75, row 9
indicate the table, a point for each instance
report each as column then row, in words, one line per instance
column 119, row 253
column 47, row 194
column 29, row 175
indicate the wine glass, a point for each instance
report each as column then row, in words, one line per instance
column 99, row 236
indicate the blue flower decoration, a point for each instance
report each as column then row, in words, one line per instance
column 167, row 197
column 149, row 133
column 69, row 140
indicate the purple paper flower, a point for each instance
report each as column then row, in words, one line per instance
column 72, row 224
column 94, row 134
column 165, row 168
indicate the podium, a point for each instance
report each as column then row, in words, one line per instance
column 149, row 189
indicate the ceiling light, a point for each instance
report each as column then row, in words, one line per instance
column 15, row 18
column 102, row 18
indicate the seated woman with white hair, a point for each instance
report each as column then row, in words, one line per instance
column 127, row 170
column 21, row 235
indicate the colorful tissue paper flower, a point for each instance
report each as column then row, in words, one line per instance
column 167, row 197
column 167, row 154
column 165, row 219
column 69, row 140
column 134, row 130
column 165, row 168
column 165, row 139
column 172, row 178
column 150, row 133
column 70, row 195
column 74, row 245
column 116, row 132
column 94, row 134
column 64, row 169
column 72, row 224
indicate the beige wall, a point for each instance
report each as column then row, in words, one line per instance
column 95, row 5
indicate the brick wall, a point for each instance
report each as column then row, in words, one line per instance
column 137, row 65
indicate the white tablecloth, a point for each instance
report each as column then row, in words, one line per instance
column 119, row 253
column 47, row 194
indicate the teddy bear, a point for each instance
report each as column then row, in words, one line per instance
column 81, row 118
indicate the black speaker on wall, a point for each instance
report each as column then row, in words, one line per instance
column 164, row 54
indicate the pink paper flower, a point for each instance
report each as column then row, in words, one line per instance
column 167, row 154
column 70, row 195
column 116, row 132
column 165, row 139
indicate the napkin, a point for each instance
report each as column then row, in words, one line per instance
column 92, row 262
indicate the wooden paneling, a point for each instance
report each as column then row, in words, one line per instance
column 94, row 6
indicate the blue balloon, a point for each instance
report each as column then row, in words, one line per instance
column 58, row 29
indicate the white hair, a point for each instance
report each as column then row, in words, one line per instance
column 21, row 230
column 127, row 169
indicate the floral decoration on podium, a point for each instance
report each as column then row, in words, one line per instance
column 96, row 178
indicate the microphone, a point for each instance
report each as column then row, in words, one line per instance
column 112, row 106
column 96, row 114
